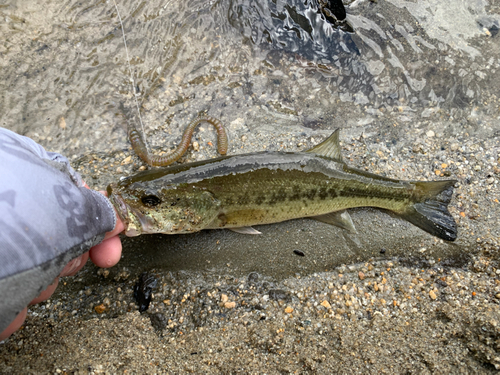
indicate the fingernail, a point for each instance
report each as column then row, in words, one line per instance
column 73, row 265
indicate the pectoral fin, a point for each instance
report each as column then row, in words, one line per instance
column 245, row 230
column 340, row 219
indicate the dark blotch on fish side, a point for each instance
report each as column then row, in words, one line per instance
column 323, row 194
column 143, row 290
column 259, row 200
column 244, row 200
column 280, row 196
column 310, row 194
column 299, row 253
column 295, row 193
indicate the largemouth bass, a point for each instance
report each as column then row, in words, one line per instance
column 239, row 191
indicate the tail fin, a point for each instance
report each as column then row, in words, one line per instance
column 431, row 214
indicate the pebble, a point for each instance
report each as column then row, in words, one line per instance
column 230, row 305
column 196, row 146
column 62, row 123
column 289, row 310
column 127, row 160
column 326, row 304
column 430, row 134
column 432, row 294
column 100, row 308
column 224, row 298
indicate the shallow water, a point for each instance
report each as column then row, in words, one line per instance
column 235, row 60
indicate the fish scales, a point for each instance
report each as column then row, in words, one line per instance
column 277, row 192
column 239, row 191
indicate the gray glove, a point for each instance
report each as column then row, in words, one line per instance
column 47, row 218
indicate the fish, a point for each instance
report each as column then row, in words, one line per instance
column 238, row 192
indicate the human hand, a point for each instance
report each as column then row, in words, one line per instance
column 104, row 255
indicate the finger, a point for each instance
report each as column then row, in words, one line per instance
column 107, row 253
column 75, row 265
column 46, row 293
column 14, row 325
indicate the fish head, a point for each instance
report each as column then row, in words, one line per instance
column 168, row 209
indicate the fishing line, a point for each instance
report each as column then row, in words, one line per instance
column 131, row 75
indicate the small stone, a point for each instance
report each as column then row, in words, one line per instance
column 127, row 160
column 106, row 301
column 497, row 295
column 490, row 180
column 196, row 146
column 244, row 138
column 326, row 304
column 230, row 305
column 289, row 310
column 100, row 308
column 224, row 298
column 62, row 123
column 361, row 275
column 432, row 294
column 119, row 170
column 454, row 147
column 430, row 134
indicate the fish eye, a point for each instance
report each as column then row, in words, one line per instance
column 151, row 200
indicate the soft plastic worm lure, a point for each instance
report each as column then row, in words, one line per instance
column 160, row 161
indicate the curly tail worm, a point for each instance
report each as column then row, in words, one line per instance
column 161, row 161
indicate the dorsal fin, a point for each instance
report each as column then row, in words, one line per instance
column 329, row 148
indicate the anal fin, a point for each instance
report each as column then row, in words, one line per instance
column 340, row 219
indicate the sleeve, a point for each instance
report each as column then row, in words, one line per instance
column 47, row 218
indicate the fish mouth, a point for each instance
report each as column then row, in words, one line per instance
column 120, row 206
column 136, row 223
